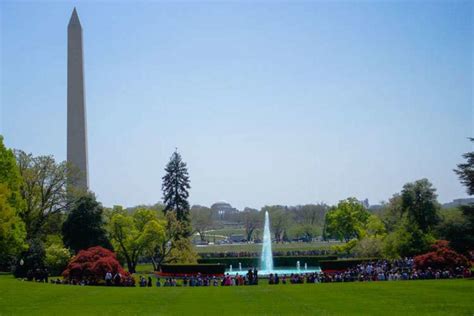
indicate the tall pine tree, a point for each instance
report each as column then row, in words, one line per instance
column 175, row 188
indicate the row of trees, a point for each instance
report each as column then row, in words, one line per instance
column 43, row 222
column 288, row 222
column 408, row 224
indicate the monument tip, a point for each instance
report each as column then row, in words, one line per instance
column 74, row 18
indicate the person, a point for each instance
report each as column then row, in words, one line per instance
column 158, row 282
column 255, row 276
column 108, row 278
column 117, row 279
column 149, row 281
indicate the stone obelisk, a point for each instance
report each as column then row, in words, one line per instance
column 76, row 104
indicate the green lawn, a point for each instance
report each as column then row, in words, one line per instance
column 442, row 297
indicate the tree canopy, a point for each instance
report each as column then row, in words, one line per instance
column 84, row 225
column 347, row 220
column 133, row 235
column 419, row 201
column 465, row 171
column 175, row 187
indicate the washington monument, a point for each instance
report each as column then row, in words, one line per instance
column 76, row 105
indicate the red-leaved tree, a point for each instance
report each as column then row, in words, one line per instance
column 92, row 264
column 442, row 257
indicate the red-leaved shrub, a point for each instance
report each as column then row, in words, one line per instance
column 92, row 264
column 442, row 257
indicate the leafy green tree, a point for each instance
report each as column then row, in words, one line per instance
column 392, row 212
column 375, row 227
column 44, row 191
column 456, row 228
column 201, row 220
column 84, row 226
column 419, row 201
column 56, row 258
column 347, row 220
column 369, row 247
column 407, row 240
column 10, row 176
column 12, row 231
column 175, row 187
column 134, row 235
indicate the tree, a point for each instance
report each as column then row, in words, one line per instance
column 392, row 212
column 56, row 258
column 44, row 191
column 279, row 220
column 201, row 220
column 456, row 228
column 133, row 235
column 462, row 235
column 310, row 220
column 347, row 220
column 31, row 259
column 252, row 220
column 12, row 230
column 93, row 263
column 420, row 204
column 10, row 176
column 84, row 225
column 172, row 248
column 407, row 240
column 175, row 187
column 441, row 257
column 465, row 171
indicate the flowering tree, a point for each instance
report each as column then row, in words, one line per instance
column 92, row 264
column 442, row 257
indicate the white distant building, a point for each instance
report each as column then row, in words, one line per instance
column 223, row 209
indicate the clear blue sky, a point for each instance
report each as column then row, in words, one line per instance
column 269, row 103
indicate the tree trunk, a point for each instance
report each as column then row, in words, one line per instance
column 131, row 266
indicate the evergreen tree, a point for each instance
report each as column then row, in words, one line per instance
column 175, row 188
column 465, row 171
column 84, row 226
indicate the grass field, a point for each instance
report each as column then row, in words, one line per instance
column 441, row 297
column 300, row 246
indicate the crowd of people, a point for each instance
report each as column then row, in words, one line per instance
column 377, row 270
column 250, row 278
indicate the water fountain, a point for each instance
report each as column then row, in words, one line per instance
column 266, row 259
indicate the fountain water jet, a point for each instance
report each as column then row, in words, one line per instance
column 266, row 261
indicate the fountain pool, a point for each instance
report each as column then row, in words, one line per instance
column 266, row 259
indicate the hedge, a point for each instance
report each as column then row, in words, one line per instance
column 282, row 261
column 329, row 265
column 192, row 269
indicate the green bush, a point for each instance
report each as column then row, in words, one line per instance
column 342, row 264
column 281, row 261
column 57, row 258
